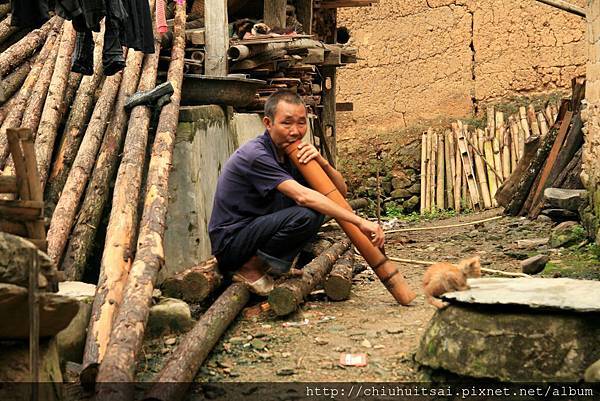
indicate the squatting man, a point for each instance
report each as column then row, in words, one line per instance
column 264, row 212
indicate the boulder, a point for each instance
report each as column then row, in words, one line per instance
column 415, row 189
column 401, row 182
column 400, row 194
column 71, row 340
column 411, row 204
column 14, row 371
column 567, row 234
column 15, row 263
column 169, row 314
column 568, row 199
column 56, row 312
column 534, row 264
column 510, row 345
column 560, row 214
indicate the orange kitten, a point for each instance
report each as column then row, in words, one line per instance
column 445, row 277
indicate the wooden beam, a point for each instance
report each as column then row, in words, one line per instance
column 565, row 6
column 8, row 184
column 216, row 36
column 274, row 14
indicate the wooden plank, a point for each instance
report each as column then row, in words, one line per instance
column 548, row 166
column 328, row 120
column 13, row 227
column 8, row 184
column 216, row 37
column 274, row 13
column 14, row 144
column 468, row 169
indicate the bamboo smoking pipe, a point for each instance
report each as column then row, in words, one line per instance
column 384, row 268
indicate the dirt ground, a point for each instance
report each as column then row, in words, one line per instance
column 306, row 346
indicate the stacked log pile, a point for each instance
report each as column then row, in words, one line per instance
column 464, row 166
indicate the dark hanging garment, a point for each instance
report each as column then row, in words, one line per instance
column 83, row 56
column 28, row 13
column 114, row 37
column 83, row 13
column 139, row 32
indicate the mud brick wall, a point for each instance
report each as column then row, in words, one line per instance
column 427, row 58
column 591, row 117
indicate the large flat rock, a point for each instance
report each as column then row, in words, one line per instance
column 553, row 293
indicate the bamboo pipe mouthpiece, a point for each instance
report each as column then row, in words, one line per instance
column 384, row 269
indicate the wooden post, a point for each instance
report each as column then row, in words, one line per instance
column 433, row 169
column 524, row 122
column 449, row 159
column 328, row 120
column 532, row 118
column 514, row 143
column 427, row 171
column 489, row 156
column 440, row 189
column 423, row 170
column 34, row 324
column 542, row 124
column 506, row 143
column 274, row 13
column 216, row 37
column 480, row 169
column 458, row 172
column 304, row 13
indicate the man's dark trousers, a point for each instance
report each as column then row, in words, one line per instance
column 276, row 238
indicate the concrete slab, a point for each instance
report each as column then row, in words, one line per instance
column 554, row 293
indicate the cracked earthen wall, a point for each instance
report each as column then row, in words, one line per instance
column 422, row 59
column 591, row 116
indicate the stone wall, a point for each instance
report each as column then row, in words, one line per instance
column 591, row 115
column 428, row 58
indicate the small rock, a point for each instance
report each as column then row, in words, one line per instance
column 165, row 351
column 543, row 218
column 321, row 341
column 169, row 314
column 236, row 340
column 379, row 346
column 285, row 372
column 411, row 203
column 532, row 243
column 170, row 341
column 366, row 343
column 400, row 194
column 401, row 182
column 569, row 199
column 534, row 265
column 286, row 354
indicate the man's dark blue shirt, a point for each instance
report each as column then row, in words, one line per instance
column 247, row 189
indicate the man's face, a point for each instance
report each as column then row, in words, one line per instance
column 288, row 125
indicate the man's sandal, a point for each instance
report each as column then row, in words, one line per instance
column 263, row 286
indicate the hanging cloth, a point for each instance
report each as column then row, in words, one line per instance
column 28, row 13
column 138, row 29
column 161, row 20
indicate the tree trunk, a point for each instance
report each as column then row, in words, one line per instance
column 15, row 113
column 508, row 188
column 287, row 296
column 79, row 115
column 98, row 189
column 23, row 49
column 13, row 81
column 66, row 208
column 181, row 368
column 195, row 284
column 339, row 281
column 50, row 118
column 129, row 324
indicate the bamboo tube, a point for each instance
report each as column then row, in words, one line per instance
column 554, row 112
column 489, row 156
column 449, row 174
column 514, row 143
column 385, row 270
column 452, row 159
column 491, row 120
column 433, row 169
column 499, row 131
column 480, row 170
column 548, row 114
column 532, row 118
column 423, row 170
column 524, row 123
column 497, row 158
column 440, row 188
column 542, row 123
column 458, row 173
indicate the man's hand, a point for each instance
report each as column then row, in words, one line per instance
column 307, row 152
column 373, row 231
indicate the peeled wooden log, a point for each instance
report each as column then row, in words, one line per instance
column 488, row 152
column 451, row 169
column 542, row 124
column 15, row 113
column 524, row 123
column 97, row 191
column 498, row 158
column 432, row 170
column 441, row 169
column 533, row 123
column 50, row 117
column 386, row 270
column 70, row 92
column 528, row 177
column 508, row 187
column 423, row 170
column 193, row 285
column 24, row 48
column 458, row 173
column 427, row 172
column 287, row 296
column 484, row 189
column 338, row 283
column 129, row 323
column 6, row 29
column 185, row 361
column 241, row 52
column 66, row 208
column 79, row 115
column 13, row 81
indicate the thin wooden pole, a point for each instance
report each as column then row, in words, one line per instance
column 449, row 179
column 423, row 170
column 458, row 173
column 524, row 122
column 565, row 6
column 483, row 269
column 440, row 188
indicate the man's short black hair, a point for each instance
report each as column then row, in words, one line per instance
column 281, row 96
